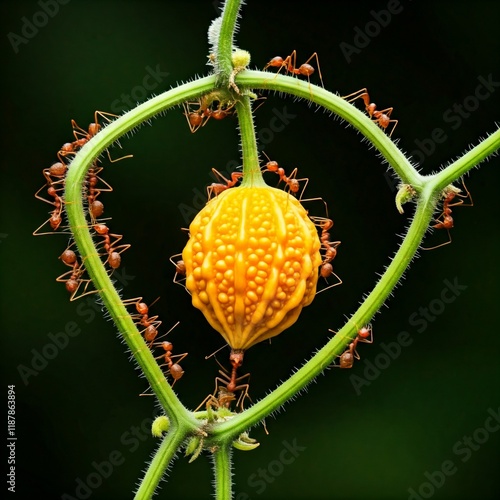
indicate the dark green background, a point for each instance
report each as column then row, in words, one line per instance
column 82, row 406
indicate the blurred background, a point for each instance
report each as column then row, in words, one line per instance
column 385, row 429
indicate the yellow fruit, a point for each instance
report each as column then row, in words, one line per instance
column 252, row 263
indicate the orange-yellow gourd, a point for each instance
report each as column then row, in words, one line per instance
column 252, row 263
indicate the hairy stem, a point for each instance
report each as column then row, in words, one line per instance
column 222, row 470
column 163, row 456
column 469, row 160
column 252, row 175
column 225, row 42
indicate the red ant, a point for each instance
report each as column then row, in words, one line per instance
column 83, row 136
column 347, row 358
column 293, row 184
column 226, row 385
column 329, row 247
column 114, row 258
column 174, row 369
column 55, row 218
column 73, row 279
column 199, row 117
column 217, row 188
column 290, row 65
column 180, row 269
column 96, row 208
column 381, row 118
column 445, row 220
column 151, row 324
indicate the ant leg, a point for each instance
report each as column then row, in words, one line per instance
column 355, row 95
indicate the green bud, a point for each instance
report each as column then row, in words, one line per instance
column 160, row 425
column 404, row 194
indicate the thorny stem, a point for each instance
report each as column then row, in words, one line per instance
column 222, row 471
column 225, row 41
column 252, row 175
column 163, row 456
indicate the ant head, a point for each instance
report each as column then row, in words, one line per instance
column 236, row 358
column 365, row 331
column 142, row 308
column 101, row 228
column 167, row 346
column 93, row 129
column 294, row 185
column 272, row 166
column 275, row 62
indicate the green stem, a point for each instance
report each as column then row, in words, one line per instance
column 163, row 456
column 225, row 43
column 470, row 159
column 252, row 175
column 222, row 470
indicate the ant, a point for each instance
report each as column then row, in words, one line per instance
column 180, row 269
column 83, row 136
column 57, row 170
column 329, row 247
column 227, row 384
column 382, row 118
column 199, row 117
column 445, row 219
column 347, row 358
column 293, row 184
column 290, row 65
column 151, row 324
column 73, row 278
column 174, row 369
column 114, row 258
column 96, row 208
column 55, row 218
column 217, row 188
column 230, row 382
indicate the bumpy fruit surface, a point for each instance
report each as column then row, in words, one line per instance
column 252, row 263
